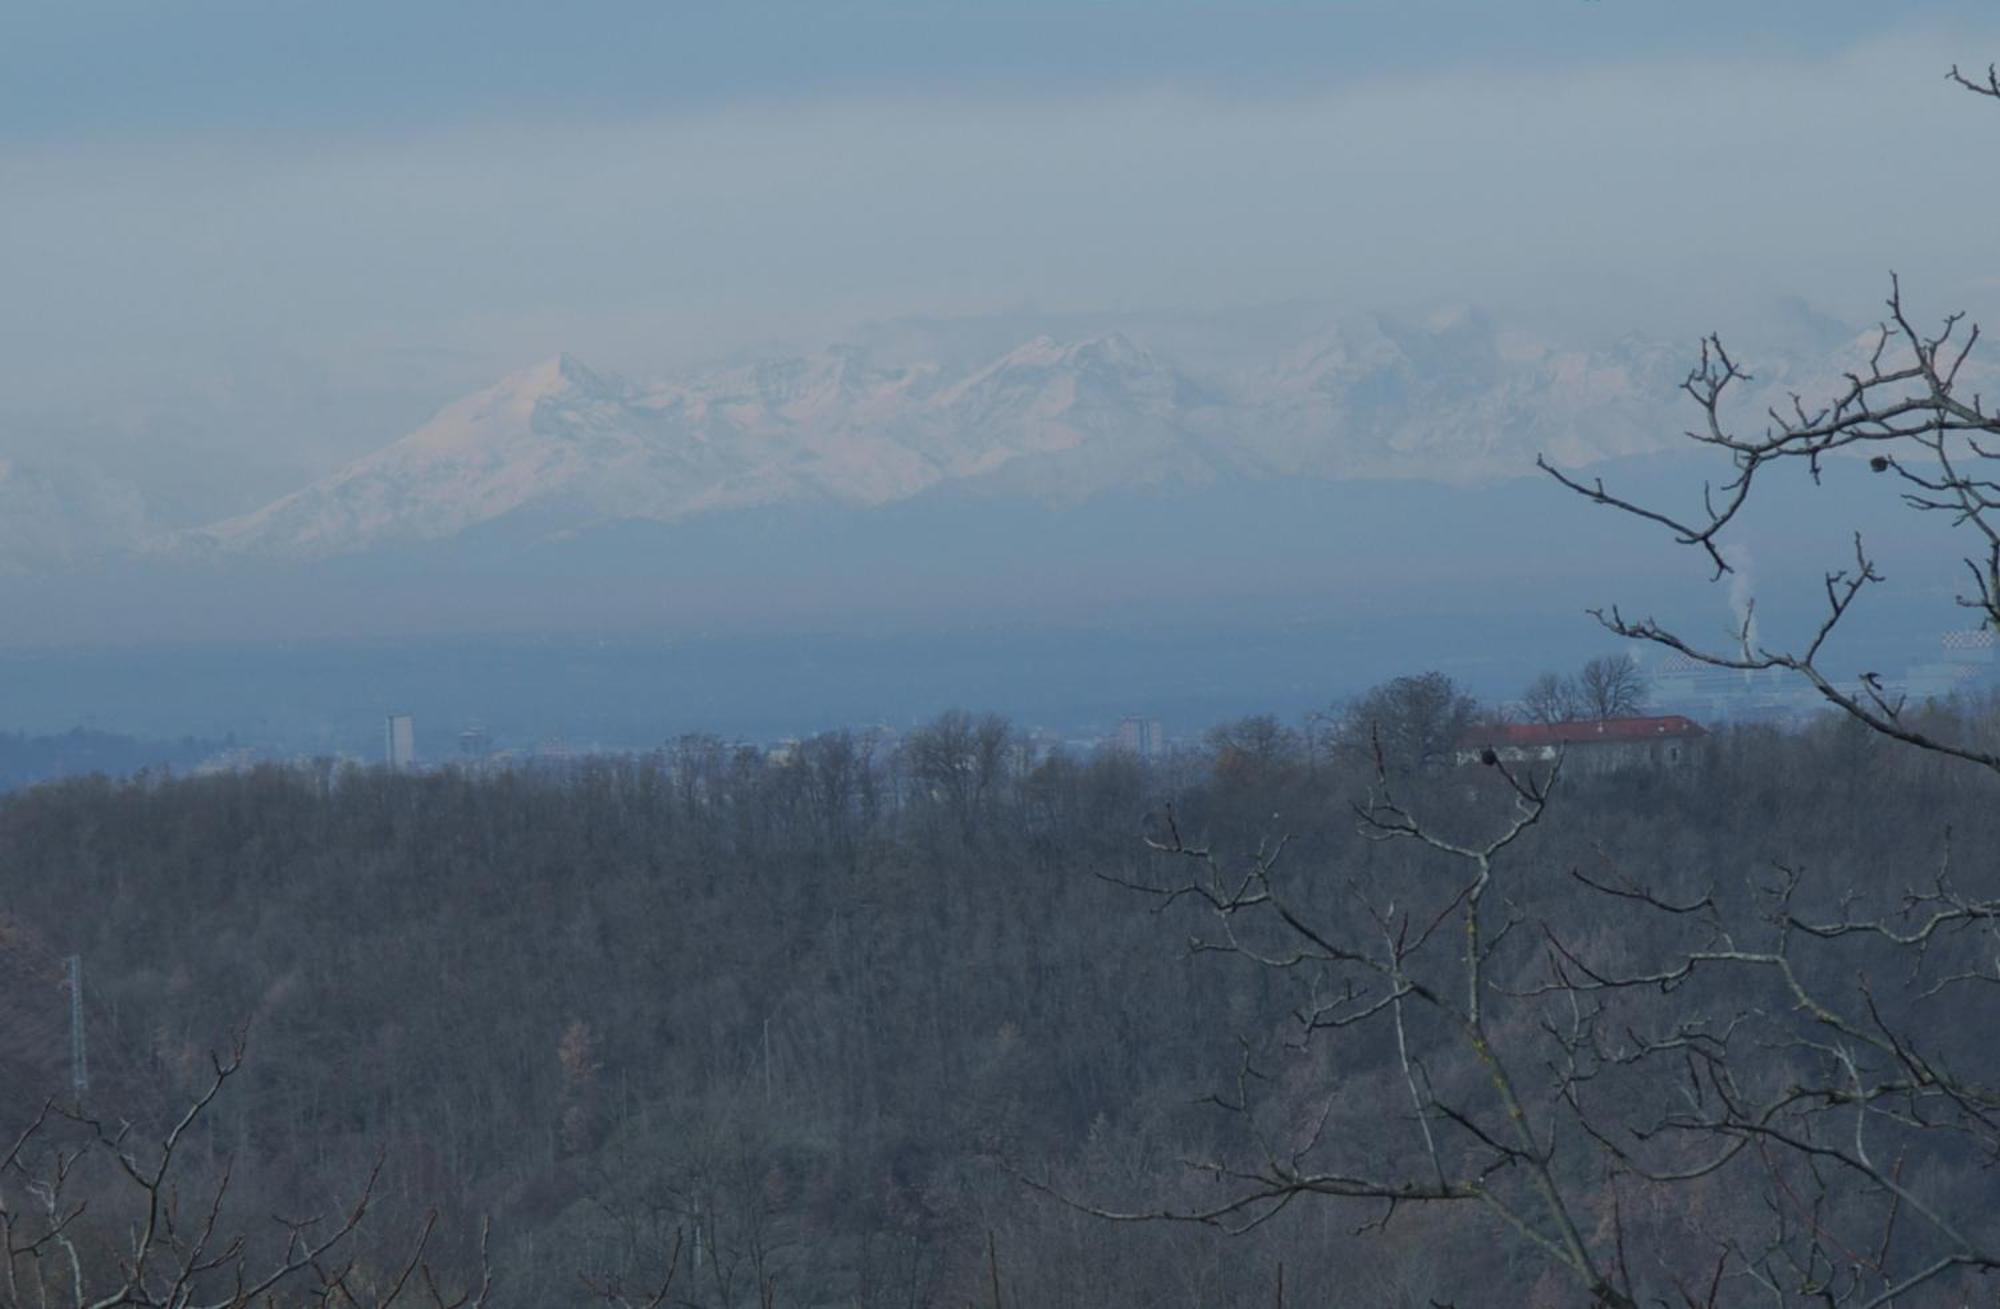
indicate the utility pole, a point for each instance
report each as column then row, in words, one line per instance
column 79, row 1072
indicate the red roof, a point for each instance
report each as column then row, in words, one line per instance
column 1665, row 727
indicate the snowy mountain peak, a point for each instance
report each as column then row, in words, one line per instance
column 559, row 376
column 1113, row 352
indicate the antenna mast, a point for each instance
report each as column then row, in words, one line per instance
column 79, row 1072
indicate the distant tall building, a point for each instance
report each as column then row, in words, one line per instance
column 1142, row 736
column 400, row 741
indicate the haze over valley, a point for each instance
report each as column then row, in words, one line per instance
column 1270, row 479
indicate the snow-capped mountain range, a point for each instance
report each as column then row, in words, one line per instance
column 557, row 448
column 564, row 448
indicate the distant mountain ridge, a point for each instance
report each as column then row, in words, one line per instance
column 565, row 448
column 558, row 448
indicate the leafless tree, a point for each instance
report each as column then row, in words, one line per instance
column 1762, row 1089
column 1908, row 415
column 1610, row 686
column 159, row 1248
column 1409, row 723
column 1433, row 970
column 1877, row 1074
column 1551, row 698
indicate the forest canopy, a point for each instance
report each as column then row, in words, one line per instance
column 823, row 1014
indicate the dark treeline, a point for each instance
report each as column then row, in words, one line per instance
column 818, row 1014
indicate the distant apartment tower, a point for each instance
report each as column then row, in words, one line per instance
column 400, row 741
column 1142, row 736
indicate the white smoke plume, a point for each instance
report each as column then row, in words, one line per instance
column 1742, row 598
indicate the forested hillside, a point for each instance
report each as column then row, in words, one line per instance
column 825, row 1019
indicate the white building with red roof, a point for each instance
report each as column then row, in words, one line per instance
column 1598, row 745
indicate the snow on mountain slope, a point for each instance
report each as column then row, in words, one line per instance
column 556, row 429
column 558, row 448
column 1458, row 400
column 1069, row 421
column 576, row 449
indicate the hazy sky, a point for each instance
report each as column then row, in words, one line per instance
column 208, row 202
